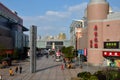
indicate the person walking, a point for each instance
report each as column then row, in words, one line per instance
column 11, row 72
column 62, row 67
column 0, row 77
column 20, row 68
column 16, row 69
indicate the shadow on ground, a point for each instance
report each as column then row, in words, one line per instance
column 47, row 68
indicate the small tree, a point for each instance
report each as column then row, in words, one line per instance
column 68, row 52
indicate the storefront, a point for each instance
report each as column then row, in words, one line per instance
column 113, row 58
column 112, row 53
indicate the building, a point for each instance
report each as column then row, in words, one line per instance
column 11, row 30
column 76, row 33
column 53, row 42
column 101, row 35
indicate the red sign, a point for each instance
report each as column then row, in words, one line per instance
column 85, row 52
column 95, row 27
column 9, row 51
column 111, row 53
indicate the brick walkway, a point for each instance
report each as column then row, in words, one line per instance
column 47, row 69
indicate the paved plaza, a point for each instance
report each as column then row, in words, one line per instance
column 47, row 69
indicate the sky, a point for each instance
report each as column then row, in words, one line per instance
column 51, row 16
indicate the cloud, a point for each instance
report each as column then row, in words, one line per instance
column 54, row 22
column 57, row 14
column 77, row 7
column 116, row 9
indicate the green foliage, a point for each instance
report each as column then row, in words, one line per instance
column 112, row 75
column 68, row 51
column 108, row 74
column 93, row 78
column 84, row 75
column 100, row 75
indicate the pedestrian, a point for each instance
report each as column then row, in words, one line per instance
column 16, row 69
column 20, row 68
column 11, row 73
column 0, row 77
column 46, row 55
column 62, row 67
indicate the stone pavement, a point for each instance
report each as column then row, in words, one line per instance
column 47, row 69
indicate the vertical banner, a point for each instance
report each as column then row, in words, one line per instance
column 85, row 51
column 33, row 36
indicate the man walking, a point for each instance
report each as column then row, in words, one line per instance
column 16, row 69
column 20, row 68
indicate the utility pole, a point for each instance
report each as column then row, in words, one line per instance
column 33, row 36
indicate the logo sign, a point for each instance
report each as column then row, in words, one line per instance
column 111, row 45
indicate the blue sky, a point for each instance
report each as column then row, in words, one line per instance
column 51, row 16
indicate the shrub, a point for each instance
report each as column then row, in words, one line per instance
column 93, row 78
column 113, row 74
column 84, row 75
column 100, row 75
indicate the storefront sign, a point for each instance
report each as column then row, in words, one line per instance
column 111, row 45
column 111, row 53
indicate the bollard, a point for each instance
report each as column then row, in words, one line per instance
column 62, row 67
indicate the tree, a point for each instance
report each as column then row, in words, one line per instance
column 68, row 52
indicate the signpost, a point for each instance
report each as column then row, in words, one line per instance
column 80, row 52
